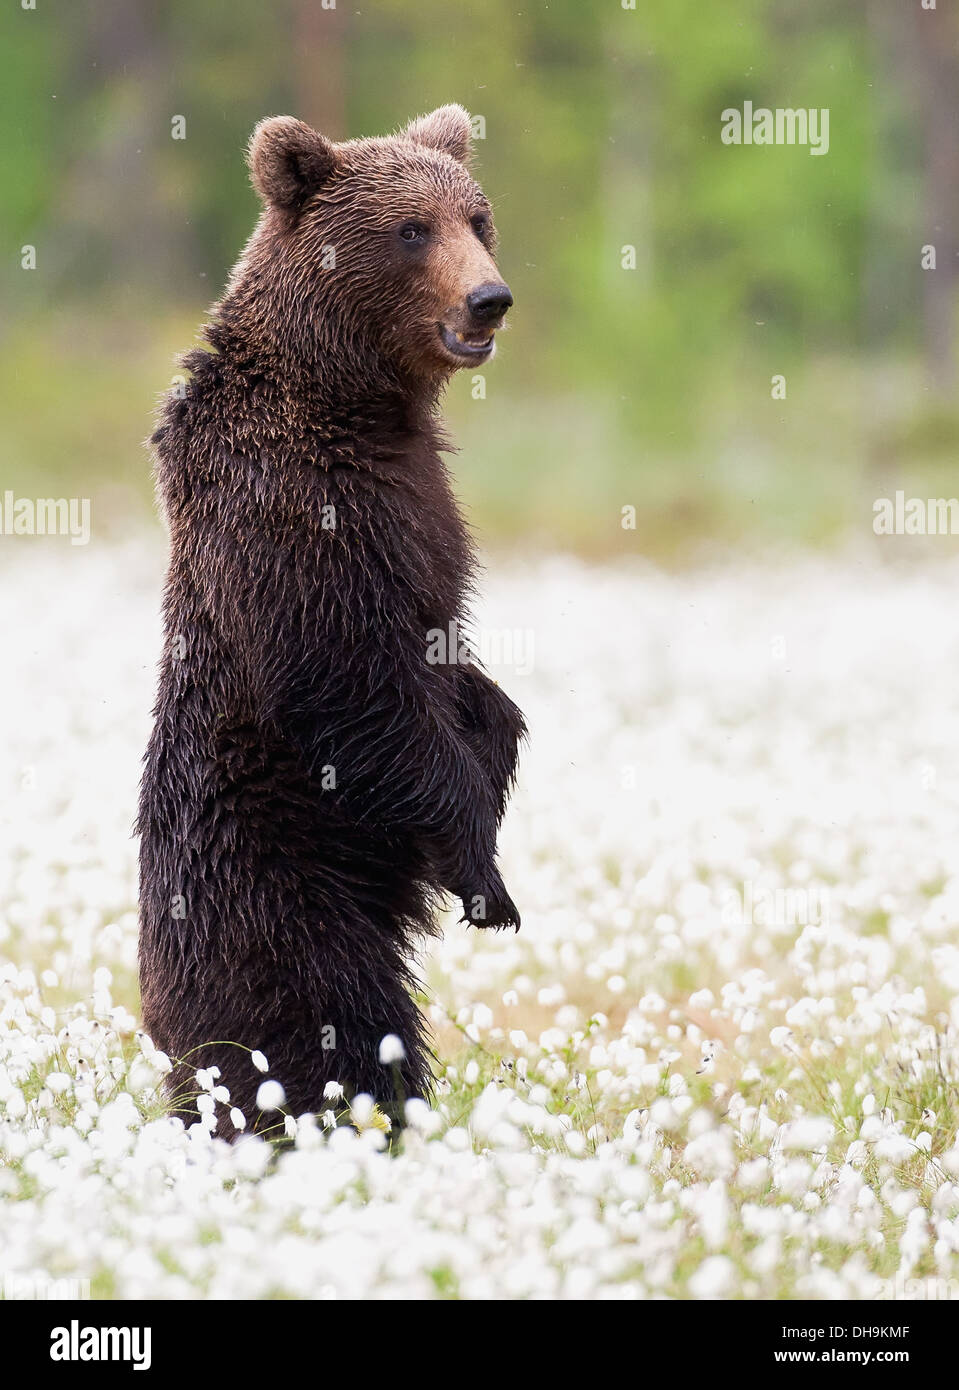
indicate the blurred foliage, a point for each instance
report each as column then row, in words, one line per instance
column 646, row 386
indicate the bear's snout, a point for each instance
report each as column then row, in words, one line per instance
column 480, row 314
column 489, row 302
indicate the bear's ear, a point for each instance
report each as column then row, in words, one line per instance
column 448, row 128
column 288, row 161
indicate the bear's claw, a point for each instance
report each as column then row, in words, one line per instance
column 490, row 906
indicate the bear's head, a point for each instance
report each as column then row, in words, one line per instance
column 375, row 250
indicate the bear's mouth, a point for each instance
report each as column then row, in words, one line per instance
column 469, row 346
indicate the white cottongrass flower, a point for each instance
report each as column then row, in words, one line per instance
column 259, row 1061
column 361, row 1110
column 270, row 1095
column 420, row 1117
column 713, row 1279
column 391, row 1050
column 807, row 1134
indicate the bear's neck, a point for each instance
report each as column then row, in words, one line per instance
column 314, row 377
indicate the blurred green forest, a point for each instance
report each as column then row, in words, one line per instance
column 644, row 384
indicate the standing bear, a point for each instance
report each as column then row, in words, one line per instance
column 315, row 777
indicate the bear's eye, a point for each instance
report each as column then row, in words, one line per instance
column 413, row 233
column 480, row 225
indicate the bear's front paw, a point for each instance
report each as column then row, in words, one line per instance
column 489, row 905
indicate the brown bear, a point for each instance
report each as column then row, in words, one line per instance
column 316, row 778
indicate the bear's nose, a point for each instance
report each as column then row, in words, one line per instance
column 488, row 302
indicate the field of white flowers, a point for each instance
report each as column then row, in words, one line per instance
column 720, row 1060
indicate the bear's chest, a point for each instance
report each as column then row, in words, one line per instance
column 396, row 526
